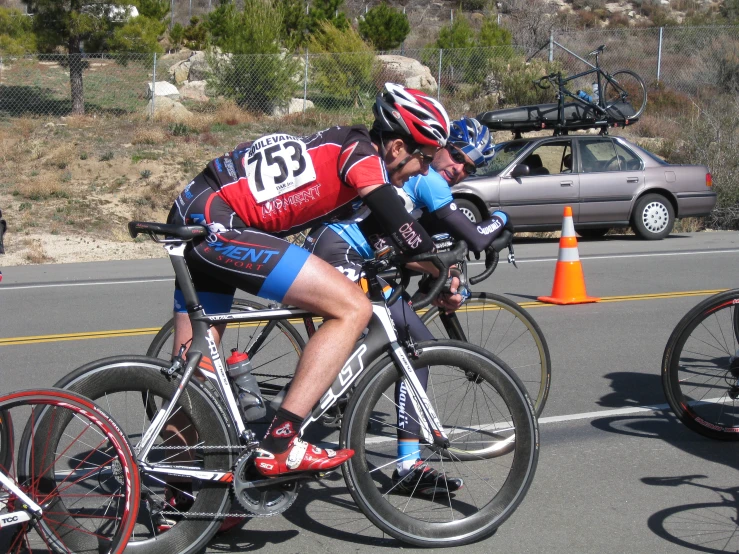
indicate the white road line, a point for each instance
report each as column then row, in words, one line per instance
column 94, row 283
column 572, row 417
column 518, row 260
column 604, row 413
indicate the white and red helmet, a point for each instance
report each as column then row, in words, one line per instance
column 411, row 113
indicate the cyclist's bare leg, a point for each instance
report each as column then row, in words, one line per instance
column 346, row 310
column 183, row 333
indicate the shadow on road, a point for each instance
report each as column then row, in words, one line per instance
column 701, row 526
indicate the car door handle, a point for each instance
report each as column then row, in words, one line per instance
column 632, row 179
column 565, row 183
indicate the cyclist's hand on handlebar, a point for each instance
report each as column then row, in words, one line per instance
column 449, row 298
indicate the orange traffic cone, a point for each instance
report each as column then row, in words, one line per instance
column 569, row 282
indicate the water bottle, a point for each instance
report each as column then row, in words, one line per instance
column 247, row 389
column 584, row 95
column 596, row 97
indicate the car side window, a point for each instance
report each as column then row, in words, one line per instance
column 550, row 158
column 627, row 159
column 598, row 155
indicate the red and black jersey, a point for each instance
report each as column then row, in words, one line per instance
column 281, row 184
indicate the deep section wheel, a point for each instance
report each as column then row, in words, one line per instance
column 494, row 447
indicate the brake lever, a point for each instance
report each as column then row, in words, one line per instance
column 512, row 256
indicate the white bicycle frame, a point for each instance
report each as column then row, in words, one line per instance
column 374, row 345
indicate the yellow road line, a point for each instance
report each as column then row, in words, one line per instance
column 12, row 341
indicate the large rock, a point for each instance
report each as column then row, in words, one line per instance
column 169, row 109
column 411, row 72
column 199, row 68
column 294, row 106
column 194, row 90
column 180, row 72
column 162, row 89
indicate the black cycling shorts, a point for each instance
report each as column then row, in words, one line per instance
column 233, row 255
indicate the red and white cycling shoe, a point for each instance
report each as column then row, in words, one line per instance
column 300, row 456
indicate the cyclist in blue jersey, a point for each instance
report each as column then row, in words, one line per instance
column 346, row 244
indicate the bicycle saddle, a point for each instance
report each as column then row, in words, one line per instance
column 598, row 50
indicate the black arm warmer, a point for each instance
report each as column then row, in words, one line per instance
column 478, row 237
column 388, row 209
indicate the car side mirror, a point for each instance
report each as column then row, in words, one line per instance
column 521, row 170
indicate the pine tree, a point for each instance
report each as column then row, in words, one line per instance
column 385, row 27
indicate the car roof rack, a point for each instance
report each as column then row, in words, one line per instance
column 577, row 116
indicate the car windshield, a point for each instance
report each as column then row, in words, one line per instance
column 505, row 152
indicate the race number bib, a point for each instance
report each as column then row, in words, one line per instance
column 277, row 164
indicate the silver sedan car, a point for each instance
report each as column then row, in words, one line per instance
column 608, row 181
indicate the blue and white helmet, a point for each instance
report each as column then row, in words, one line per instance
column 474, row 139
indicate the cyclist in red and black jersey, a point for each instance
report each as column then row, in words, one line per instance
column 278, row 185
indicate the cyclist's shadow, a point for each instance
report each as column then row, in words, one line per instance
column 711, row 526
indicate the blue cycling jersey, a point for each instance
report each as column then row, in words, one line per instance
column 424, row 191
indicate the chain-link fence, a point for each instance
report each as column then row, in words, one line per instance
column 688, row 60
column 684, row 59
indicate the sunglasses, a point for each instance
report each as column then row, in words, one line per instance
column 426, row 159
column 459, row 157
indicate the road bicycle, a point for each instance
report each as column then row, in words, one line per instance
column 487, row 320
column 73, row 485
column 700, row 367
column 476, row 408
column 620, row 98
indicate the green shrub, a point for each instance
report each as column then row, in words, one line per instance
column 384, row 27
column 176, row 35
column 255, row 82
column 342, row 64
column 515, row 81
column 16, row 33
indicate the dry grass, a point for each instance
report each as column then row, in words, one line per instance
column 689, row 225
column 40, row 187
column 657, row 126
column 36, row 253
column 61, row 156
column 150, row 135
column 229, row 113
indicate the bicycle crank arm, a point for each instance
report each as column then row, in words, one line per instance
column 290, row 477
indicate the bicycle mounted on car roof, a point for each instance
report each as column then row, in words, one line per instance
column 619, row 100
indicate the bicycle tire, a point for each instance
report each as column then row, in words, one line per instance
column 269, row 363
column 530, row 361
column 507, row 476
column 6, row 443
column 121, row 382
column 630, row 88
column 95, row 456
column 700, row 367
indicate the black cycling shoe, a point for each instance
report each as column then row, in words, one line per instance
column 425, row 481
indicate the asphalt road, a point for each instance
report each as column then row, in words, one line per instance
column 616, row 472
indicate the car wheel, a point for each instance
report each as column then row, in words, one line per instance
column 593, row 233
column 653, row 217
column 468, row 208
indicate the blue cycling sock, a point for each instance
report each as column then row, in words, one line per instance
column 409, row 453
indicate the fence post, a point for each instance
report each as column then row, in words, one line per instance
column 153, row 85
column 551, row 46
column 659, row 54
column 305, row 81
column 438, row 84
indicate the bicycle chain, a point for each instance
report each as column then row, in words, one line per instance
column 186, row 515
